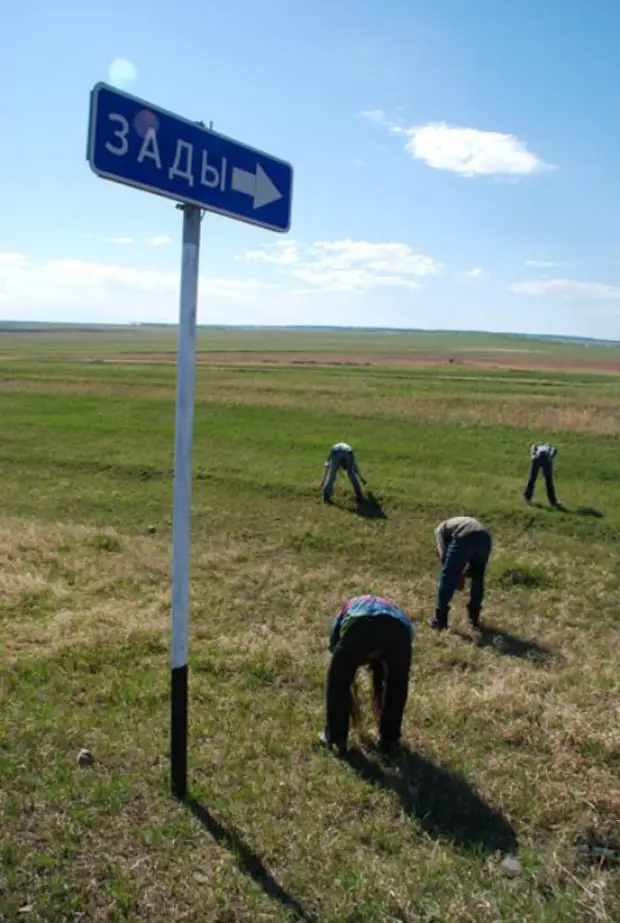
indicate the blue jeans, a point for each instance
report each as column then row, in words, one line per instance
column 545, row 465
column 471, row 551
column 331, row 478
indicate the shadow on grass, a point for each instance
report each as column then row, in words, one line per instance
column 370, row 507
column 503, row 642
column 594, row 850
column 443, row 802
column 579, row 511
column 587, row 511
column 249, row 862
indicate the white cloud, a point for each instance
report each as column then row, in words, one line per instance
column 466, row 151
column 350, row 265
column 158, row 241
column 545, row 264
column 122, row 72
column 82, row 290
column 319, row 283
column 283, row 253
column 375, row 115
column 13, row 259
column 567, row 289
column 472, row 152
column 471, row 276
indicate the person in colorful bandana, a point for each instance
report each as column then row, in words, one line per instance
column 368, row 631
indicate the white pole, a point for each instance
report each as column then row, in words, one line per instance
column 182, row 498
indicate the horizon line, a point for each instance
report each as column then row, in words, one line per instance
column 15, row 325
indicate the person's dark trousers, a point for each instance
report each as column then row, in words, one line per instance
column 476, row 571
column 472, row 551
column 378, row 633
column 545, row 465
column 355, row 484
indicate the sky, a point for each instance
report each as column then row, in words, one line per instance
column 456, row 162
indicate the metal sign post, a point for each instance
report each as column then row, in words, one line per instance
column 182, row 497
column 136, row 144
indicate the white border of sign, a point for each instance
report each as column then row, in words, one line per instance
column 188, row 200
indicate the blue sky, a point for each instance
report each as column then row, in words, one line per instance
column 456, row 163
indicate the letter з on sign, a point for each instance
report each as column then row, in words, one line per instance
column 137, row 144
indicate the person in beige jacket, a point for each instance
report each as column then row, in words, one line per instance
column 463, row 546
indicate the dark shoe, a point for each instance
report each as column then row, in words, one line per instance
column 440, row 622
column 389, row 750
column 339, row 749
column 326, row 499
column 473, row 617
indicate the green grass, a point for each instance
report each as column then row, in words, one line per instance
column 512, row 745
column 64, row 339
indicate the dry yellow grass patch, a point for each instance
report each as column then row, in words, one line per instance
column 536, row 740
column 567, row 409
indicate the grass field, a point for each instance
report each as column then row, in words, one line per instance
column 511, row 745
column 325, row 346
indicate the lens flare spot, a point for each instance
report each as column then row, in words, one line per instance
column 122, row 72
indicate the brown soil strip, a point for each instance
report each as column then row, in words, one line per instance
column 493, row 360
column 466, row 359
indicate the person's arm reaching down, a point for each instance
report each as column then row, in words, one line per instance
column 440, row 542
column 325, row 469
column 334, row 635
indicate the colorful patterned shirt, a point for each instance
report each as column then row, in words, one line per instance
column 363, row 607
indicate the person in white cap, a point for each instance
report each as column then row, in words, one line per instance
column 542, row 456
column 341, row 457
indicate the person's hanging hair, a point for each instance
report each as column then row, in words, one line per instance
column 355, row 707
column 377, row 670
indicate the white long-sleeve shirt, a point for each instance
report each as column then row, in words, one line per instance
column 538, row 450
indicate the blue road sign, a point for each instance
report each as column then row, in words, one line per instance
column 137, row 144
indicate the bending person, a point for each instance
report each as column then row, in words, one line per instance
column 541, row 459
column 375, row 632
column 463, row 547
column 341, row 458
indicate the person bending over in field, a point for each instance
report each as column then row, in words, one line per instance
column 341, row 457
column 541, row 459
column 463, row 546
column 374, row 632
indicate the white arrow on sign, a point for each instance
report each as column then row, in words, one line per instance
column 258, row 185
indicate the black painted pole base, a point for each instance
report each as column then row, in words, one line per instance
column 178, row 731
